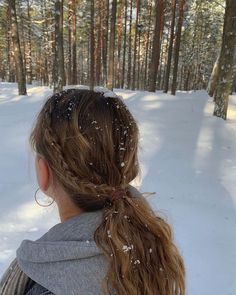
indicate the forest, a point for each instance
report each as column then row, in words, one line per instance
column 173, row 64
column 148, row 45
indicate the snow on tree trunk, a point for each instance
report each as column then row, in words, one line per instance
column 226, row 61
column 214, row 78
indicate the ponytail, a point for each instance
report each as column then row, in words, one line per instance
column 139, row 246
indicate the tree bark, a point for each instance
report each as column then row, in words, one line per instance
column 20, row 72
column 156, row 46
column 69, row 65
column 135, row 45
column 170, row 48
column 110, row 82
column 29, row 47
column 226, row 61
column 59, row 72
column 119, row 44
column 177, row 46
column 124, row 47
column 147, row 44
column 130, row 47
column 105, row 39
column 92, row 46
column 74, row 48
column 214, row 78
column 10, row 71
column 98, row 50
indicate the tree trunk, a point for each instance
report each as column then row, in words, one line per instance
column 130, row 47
column 177, row 46
column 214, row 78
column 20, row 72
column 98, row 50
column 69, row 65
column 45, row 42
column 147, row 43
column 135, row 45
column 226, row 61
column 10, row 73
column 59, row 73
column 156, row 47
column 74, row 49
column 29, row 48
column 110, row 82
column 92, row 46
column 170, row 48
column 138, row 70
column 51, row 45
column 105, row 39
column 22, row 35
column 119, row 45
column 124, row 47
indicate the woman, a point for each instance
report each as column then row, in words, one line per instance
column 109, row 240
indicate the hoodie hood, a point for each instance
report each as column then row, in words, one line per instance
column 66, row 260
column 69, row 240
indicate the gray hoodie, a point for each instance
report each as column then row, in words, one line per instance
column 66, row 260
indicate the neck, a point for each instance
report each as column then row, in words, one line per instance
column 66, row 208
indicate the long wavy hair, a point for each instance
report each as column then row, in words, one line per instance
column 90, row 142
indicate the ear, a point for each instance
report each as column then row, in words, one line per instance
column 43, row 173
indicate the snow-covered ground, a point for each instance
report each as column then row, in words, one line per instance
column 188, row 157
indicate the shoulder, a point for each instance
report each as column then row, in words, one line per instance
column 15, row 281
column 38, row 290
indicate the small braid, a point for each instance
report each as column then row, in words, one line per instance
column 80, row 185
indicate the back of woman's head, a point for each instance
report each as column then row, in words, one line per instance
column 90, row 143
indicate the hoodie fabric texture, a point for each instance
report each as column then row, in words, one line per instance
column 66, row 260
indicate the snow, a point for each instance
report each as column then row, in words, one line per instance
column 127, row 248
column 188, row 157
column 109, row 234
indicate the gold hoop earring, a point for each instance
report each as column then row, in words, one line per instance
column 36, row 200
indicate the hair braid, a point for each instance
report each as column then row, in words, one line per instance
column 64, row 171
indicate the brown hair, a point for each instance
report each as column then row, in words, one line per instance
column 90, row 142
